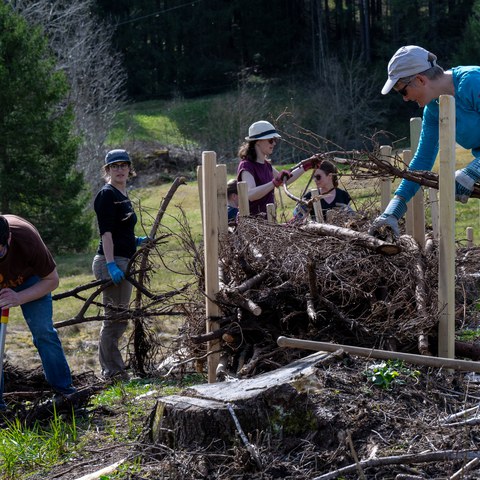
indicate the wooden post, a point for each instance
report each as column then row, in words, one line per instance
column 446, row 243
column 469, row 237
column 433, row 198
column 200, row 188
column 418, row 202
column 407, row 157
column 243, row 205
column 385, row 183
column 317, row 207
column 221, row 174
column 271, row 214
column 210, row 240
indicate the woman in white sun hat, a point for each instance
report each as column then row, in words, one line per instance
column 413, row 72
column 256, row 169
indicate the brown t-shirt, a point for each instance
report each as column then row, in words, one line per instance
column 27, row 255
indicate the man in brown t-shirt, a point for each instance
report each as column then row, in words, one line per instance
column 28, row 275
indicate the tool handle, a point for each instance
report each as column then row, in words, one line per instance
column 4, row 316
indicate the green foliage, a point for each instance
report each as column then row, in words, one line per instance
column 468, row 334
column 38, row 150
column 387, row 374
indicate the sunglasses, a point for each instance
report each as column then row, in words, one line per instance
column 272, row 141
column 403, row 90
column 317, row 177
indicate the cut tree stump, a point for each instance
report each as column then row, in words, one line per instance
column 272, row 403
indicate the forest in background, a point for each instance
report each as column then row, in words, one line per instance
column 329, row 56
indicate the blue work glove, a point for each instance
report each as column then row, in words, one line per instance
column 140, row 240
column 393, row 213
column 465, row 179
column 115, row 273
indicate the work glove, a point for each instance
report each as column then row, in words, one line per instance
column 465, row 179
column 393, row 213
column 279, row 179
column 140, row 241
column 310, row 163
column 115, row 273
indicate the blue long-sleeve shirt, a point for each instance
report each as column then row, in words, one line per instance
column 466, row 82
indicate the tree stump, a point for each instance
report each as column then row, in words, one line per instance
column 273, row 403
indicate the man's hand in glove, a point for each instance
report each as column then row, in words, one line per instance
column 393, row 213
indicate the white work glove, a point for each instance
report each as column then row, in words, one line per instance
column 393, row 213
column 465, row 179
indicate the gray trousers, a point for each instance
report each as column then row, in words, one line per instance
column 110, row 357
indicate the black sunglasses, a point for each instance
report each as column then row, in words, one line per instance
column 272, row 140
column 317, row 177
column 403, row 90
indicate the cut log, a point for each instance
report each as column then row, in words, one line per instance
column 358, row 238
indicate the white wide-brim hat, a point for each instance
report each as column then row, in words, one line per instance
column 407, row 61
column 261, row 130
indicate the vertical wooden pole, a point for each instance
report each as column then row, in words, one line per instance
column 385, row 183
column 418, row 201
column 200, row 188
column 469, row 237
column 407, row 157
column 243, row 205
column 317, row 207
column 433, row 198
column 446, row 258
column 221, row 173
column 210, row 240
column 271, row 214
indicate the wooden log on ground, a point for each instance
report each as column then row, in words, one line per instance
column 437, row 362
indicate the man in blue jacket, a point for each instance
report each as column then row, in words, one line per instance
column 413, row 72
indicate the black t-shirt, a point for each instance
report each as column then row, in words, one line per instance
column 115, row 214
column 341, row 198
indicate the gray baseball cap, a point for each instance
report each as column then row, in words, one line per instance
column 407, row 61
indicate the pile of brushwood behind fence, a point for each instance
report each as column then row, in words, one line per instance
column 328, row 283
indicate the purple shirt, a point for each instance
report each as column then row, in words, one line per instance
column 262, row 173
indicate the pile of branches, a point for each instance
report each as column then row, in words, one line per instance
column 323, row 282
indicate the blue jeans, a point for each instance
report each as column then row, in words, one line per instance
column 39, row 317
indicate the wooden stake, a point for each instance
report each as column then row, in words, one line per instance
column 222, row 199
column 385, row 183
column 418, row 202
column 200, row 188
column 317, row 207
column 446, row 243
column 210, row 240
column 243, row 205
column 407, row 157
column 433, row 198
column 469, row 237
column 271, row 214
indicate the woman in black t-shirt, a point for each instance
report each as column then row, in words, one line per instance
column 116, row 223
column 326, row 180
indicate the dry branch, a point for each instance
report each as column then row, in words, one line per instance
column 401, row 459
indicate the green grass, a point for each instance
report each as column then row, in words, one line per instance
column 156, row 121
column 25, row 450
